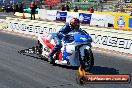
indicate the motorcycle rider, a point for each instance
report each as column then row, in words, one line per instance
column 74, row 25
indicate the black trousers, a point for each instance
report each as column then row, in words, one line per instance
column 32, row 16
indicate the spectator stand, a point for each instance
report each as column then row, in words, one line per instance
column 82, row 5
column 124, row 7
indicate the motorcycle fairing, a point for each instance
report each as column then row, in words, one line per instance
column 68, row 52
column 70, row 55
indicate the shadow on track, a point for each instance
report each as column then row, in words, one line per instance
column 42, row 58
column 33, row 56
column 104, row 70
column 95, row 70
column 68, row 67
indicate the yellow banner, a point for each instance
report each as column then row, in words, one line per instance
column 122, row 21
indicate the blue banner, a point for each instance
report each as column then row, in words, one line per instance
column 61, row 16
column 85, row 18
column 130, row 22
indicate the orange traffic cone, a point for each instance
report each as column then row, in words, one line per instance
column 23, row 16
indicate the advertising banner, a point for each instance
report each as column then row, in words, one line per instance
column 111, row 40
column 102, row 38
column 109, row 20
column 85, row 18
column 130, row 22
column 71, row 15
column 61, row 16
column 122, row 22
column 42, row 13
column 98, row 20
column 51, row 15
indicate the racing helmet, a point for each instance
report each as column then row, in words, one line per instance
column 75, row 23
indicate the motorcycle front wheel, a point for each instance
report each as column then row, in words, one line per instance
column 88, row 60
column 40, row 47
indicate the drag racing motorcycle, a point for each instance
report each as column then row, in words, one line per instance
column 75, row 51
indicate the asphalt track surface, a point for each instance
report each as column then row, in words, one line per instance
column 21, row 71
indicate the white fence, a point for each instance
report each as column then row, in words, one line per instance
column 101, row 20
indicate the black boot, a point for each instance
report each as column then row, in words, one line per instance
column 51, row 60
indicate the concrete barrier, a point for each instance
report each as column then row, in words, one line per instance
column 110, row 39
